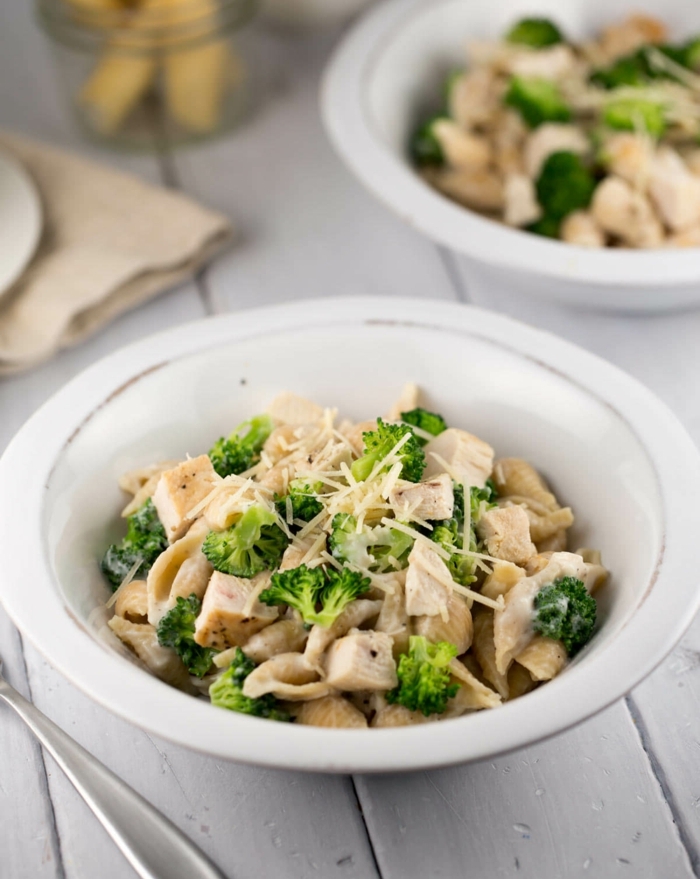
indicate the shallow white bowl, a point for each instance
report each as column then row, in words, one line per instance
column 387, row 74
column 609, row 447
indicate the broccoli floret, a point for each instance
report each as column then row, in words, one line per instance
column 691, row 54
column 630, row 70
column 304, row 588
column 449, row 533
column 537, row 100
column 564, row 185
column 451, row 80
column 424, row 679
column 547, row 227
column 425, row 147
column 255, row 544
column 145, row 540
column 303, row 496
column 176, row 630
column 378, row 444
column 565, row 612
column 478, row 496
column 535, row 32
column 242, row 449
column 430, row 422
column 227, row 691
column 371, row 548
column 632, row 114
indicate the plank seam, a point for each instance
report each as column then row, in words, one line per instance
column 459, row 289
column 44, row 781
column 368, row 835
column 659, row 774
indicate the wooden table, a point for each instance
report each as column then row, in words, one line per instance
column 618, row 796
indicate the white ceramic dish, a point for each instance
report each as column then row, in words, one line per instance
column 386, row 74
column 610, row 448
column 20, row 220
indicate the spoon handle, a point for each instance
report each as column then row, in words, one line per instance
column 153, row 846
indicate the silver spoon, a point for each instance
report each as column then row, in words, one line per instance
column 153, row 846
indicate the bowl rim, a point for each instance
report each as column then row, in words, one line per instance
column 664, row 612
column 349, row 123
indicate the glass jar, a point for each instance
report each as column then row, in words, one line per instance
column 151, row 73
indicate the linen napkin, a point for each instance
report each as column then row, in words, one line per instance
column 110, row 242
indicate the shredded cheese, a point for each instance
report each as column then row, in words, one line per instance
column 130, row 574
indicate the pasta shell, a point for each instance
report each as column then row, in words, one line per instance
column 354, row 615
column 514, row 476
column 472, row 694
column 519, row 681
column 179, row 571
column 503, row 577
column 133, row 480
column 132, row 602
column 484, row 649
column 543, row 658
column 287, row 676
column 457, row 630
column 163, row 662
column 285, row 636
column 397, row 715
column 331, row 711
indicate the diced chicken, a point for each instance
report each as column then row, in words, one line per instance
column 224, row 621
column 407, row 400
column 552, row 137
column 289, row 408
column 581, row 228
column 481, row 190
column 468, row 458
column 180, row 490
column 331, row 711
column 506, row 531
column 631, row 34
column 626, row 213
column 687, row 238
column 354, row 615
column 433, row 499
column 284, row 636
column 462, row 150
column 427, row 582
column 553, row 63
column 674, row 190
column 629, row 155
column 474, row 98
column 361, row 661
column 521, row 205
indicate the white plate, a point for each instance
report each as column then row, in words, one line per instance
column 610, row 447
column 20, row 220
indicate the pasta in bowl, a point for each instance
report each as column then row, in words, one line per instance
column 341, row 574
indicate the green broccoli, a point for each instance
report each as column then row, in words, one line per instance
column 565, row 612
column 227, row 691
column 564, row 185
column 691, row 54
column 378, row 444
column 303, row 496
column 425, row 147
column 430, row 422
column 242, row 448
column 424, row 678
column 631, row 114
column 176, row 630
column 371, row 548
column 478, row 496
column 449, row 533
column 145, row 540
column 451, row 80
column 304, row 588
column 630, row 70
column 255, row 544
column 537, row 100
column 535, row 32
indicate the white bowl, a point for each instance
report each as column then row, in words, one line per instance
column 388, row 72
column 609, row 447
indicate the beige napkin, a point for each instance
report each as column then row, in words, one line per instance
column 110, row 242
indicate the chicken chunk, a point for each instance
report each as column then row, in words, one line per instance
column 289, row 408
column 521, row 205
column 181, row 489
column 626, row 213
column 506, row 531
column 461, row 149
column 552, row 137
column 223, row 621
column 468, row 458
column 551, row 63
column 433, row 499
column 629, row 155
column 361, row 661
column 581, row 228
column 480, row 189
column 474, row 98
column 631, row 34
column 674, row 190
column 426, row 591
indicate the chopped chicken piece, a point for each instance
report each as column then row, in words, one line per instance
column 553, row 63
column 481, row 190
column 361, row 661
column 626, row 213
column 408, row 400
column 462, row 149
column 331, row 711
column 289, row 408
column 468, row 458
column 552, row 137
column 426, row 595
column 581, row 228
column 674, row 190
column 181, row 489
column 521, row 205
column 506, row 531
column 474, row 98
column 631, row 34
column 223, row 621
column 433, row 499
column 630, row 156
